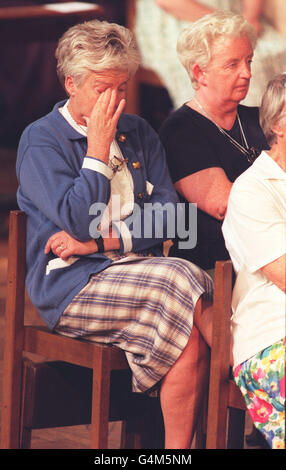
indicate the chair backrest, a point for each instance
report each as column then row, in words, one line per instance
column 14, row 317
column 223, row 283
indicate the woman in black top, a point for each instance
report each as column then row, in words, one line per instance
column 212, row 139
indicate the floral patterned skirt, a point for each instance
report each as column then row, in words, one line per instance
column 261, row 380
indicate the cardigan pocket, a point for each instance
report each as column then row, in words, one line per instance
column 59, row 263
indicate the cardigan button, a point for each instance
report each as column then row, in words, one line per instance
column 136, row 165
column 122, row 138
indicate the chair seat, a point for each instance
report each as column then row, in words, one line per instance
column 42, row 341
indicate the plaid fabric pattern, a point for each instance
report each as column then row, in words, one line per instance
column 144, row 306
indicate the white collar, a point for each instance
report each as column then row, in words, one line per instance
column 268, row 168
column 67, row 115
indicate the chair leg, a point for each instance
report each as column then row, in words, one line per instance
column 130, row 434
column 28, row 389
column 100, row 401
column 11, row 399
column 11, row 406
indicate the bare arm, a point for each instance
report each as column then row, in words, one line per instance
column 276, row 272
column 209, row 189
column 252, row 11
column 188, row 10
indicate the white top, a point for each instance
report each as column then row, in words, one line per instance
column 255, row 233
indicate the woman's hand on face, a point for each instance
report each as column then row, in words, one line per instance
column 64, row 245
column 102, row 124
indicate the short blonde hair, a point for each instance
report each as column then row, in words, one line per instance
column 195, row 42
column 273, row 107
column 96, row 46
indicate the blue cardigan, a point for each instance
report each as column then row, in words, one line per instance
column 57, row 188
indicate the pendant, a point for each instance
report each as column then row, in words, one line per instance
column 252, row 154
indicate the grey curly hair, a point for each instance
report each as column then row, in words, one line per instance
column 95, row 46
column 273, row 107
column 195, row 43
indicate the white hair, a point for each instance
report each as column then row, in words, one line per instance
column 96, row 46
column 273, row 107
column 195, row 42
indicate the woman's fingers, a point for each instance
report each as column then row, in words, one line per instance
column 52, row 242
column 65, row 254
column 105, row 107
column 101, row 107
column 64, row 245
column 57, row 247
column 118, row 111
column 57, row 243
column 102, row 124
column 47, row 247
column 112, row 103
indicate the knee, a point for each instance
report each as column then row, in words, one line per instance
column 196, row 352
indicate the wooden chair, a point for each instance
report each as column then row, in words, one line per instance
column 226, row 406
column 143, row 76
column 22, row 339
column 59, row 394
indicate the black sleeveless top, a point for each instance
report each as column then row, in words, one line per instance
column 193, row 143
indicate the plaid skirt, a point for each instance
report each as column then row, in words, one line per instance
column 142, row 305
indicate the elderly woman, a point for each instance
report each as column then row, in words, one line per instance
column 212, row 139
column 255, row 233
column 159, row 22
column 94, row 183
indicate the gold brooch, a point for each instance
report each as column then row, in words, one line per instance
column 136, row 165
column 116, row 164
column 122, row 138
